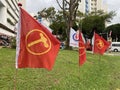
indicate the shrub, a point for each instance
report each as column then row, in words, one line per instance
column 13, row 42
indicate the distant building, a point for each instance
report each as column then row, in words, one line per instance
column 88, row 6
column 9, row 14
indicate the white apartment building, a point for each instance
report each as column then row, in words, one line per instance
column 97, row 5
column 9, row 14
column 88, row 6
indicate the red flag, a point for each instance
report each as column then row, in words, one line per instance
column 100, row 44
column 82, row 50
column 110, row 33
column 36, row 46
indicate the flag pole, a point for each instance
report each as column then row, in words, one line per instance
column 79, row 55
column 79, row 72
column 79, row 52
column 99, row 57
column 16, row 70
column 80, row 30
column 15, row 79
column 99, row 60
column 99, row 63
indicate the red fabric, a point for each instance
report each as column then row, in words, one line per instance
column 82, row 50
column 100, row 44
column 38, row 47
column 110, row 33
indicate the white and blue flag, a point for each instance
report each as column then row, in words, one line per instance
column 74, row 38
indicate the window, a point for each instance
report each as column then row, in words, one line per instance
column 116, row 45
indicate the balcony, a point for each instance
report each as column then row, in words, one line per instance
column 86, row 1
column 2, row 3
column 5, row 30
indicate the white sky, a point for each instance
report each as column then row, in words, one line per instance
column 33, row 6
column 114, row 5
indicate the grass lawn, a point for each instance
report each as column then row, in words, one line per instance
column 95, row 74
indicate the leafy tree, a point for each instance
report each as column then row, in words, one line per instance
column 115, row 31
column 69, row 9
column 58, row 26
column 91, row 23
column 48, row 14
column 56, row 18
column 95, row 21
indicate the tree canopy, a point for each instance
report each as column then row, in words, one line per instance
column 95, row 21
column 115, row 29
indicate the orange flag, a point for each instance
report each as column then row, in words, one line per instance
column 82, row 50
column 36, row 46
column 100, row 44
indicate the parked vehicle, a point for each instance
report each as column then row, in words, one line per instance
column 115, row 46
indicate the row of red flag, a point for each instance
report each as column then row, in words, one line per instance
column 38, row 48
column 100, row 45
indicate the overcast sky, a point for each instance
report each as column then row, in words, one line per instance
column 37, row 5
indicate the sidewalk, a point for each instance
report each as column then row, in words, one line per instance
column 108, row 53
column 113, row 53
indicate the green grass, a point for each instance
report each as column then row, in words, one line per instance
column 95, row 74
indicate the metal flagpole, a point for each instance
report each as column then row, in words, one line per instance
column 80, row 30
column 79, row 56
column 16, row 70
column 15, row 79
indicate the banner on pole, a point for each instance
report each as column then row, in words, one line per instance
column 74, row 38
column 36, row 46
column 82, row 49
column 100, row 45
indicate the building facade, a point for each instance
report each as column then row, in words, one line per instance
column 88, row 6
column 9, row 15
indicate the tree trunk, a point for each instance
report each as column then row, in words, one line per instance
column 69, row 13
column 69, row 25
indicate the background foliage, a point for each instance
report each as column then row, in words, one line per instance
column 115, row 31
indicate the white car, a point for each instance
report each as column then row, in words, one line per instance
column 115, row 46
